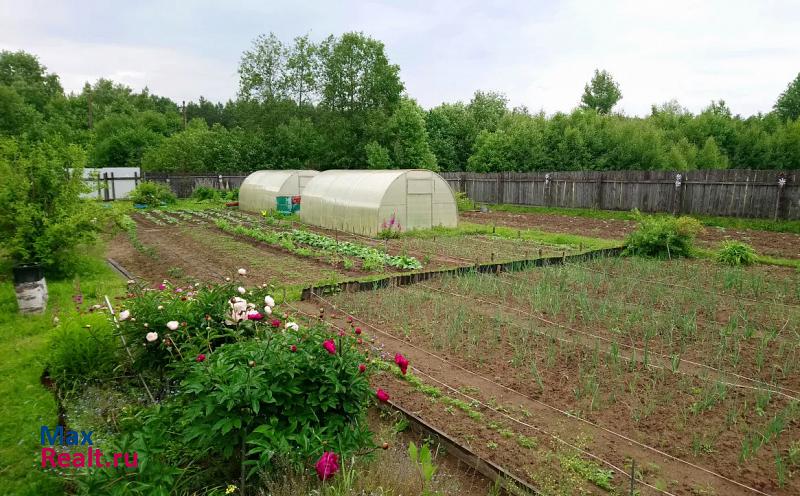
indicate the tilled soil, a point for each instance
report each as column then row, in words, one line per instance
column 785, row 245
column 493, row 381
column 195, row 253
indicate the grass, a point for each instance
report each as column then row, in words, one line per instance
column 785, row 226
column 27, row 404
column 470, row 229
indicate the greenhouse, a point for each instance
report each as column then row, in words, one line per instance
column 370, row 201
column 261, row 189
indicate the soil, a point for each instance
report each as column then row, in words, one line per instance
column 489, row 377
column 784, row 245
column 203, row 254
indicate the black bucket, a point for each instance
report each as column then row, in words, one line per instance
column 27, row 273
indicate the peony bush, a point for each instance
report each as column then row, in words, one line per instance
column 241, row 386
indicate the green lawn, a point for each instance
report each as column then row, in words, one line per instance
column 26, row 405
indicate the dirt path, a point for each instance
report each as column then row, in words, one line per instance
column 785, row 245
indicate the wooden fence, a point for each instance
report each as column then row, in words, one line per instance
column 734, row 193
column 183, row 184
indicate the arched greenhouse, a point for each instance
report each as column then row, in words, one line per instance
column 261, row 189
column 369, row 201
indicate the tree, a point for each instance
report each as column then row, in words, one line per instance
column 451, row 134
column 23, row 72
column 302, row 70
column 788, row 104
column 409, row 138
column 486, row 109
column 601, row 94
column 710, row 156
column 377, row 156
column 262, row 68
column 357, row 76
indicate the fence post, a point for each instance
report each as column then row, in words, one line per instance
column 220, row 182
column 105, row 186
column 135, row 178
column 599, row 194
column 113, row 187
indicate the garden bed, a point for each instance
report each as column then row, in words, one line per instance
column 784, row 245
column 702, row 367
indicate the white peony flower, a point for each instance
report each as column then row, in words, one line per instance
column 293, row 326
column 242, row 272
column 172, row 325
column 267, row 310
column 269, row 301
column 161, row 307
column 152, row 336
column 241, row 290
column 227, row 279
column 124, row 315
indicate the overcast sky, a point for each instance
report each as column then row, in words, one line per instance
column 539, row 53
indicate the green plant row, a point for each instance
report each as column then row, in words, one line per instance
column 372, row 259
column 129, row 226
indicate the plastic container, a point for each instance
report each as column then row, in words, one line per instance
column 284, row 204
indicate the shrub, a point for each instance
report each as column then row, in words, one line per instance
column 204, row 193
column 82, row 349
column 736, row 253
column 663, row 237
column 152, row 194
column 42, row 216
column 281, row 405
column 463, row 202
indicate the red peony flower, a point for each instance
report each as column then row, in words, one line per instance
column 327, row 465
column 276, row 323
column 362, row 367
column 382, row 395
column 254, row 316
column 293, row 348
column 401, row 362
column 360, row 341
column 201, row 357
column 358, row 330
column 330, row 346
column 349, row 319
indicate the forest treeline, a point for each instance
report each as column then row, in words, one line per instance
column 340, row 103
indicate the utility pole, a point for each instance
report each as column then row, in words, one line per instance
column 183, row 111
column 91, row 117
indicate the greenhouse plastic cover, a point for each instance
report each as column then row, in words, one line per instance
column 260, row 190
column 366, row 201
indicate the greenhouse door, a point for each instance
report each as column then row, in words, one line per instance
column 419, row 208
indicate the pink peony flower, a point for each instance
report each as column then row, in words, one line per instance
column 327, row 465
column 201, row 357
column 330, row 346
column 151, row 336
column 253, row 315
column 382, row 395
column 172, row 325
column 293, row 348
column 162, row 287
column 349, row 319
column 362, row 367
column 275, row 323
column 358, row 330
column 401, row 362
column 124, row 315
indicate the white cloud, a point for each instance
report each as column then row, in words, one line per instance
column 539, row 53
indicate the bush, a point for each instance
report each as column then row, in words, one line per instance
column 82, row 349
column 663, row 237
column 42, row 216
column 736, row 253
column 463, row 202
column 152, row 194
column 204, row 193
